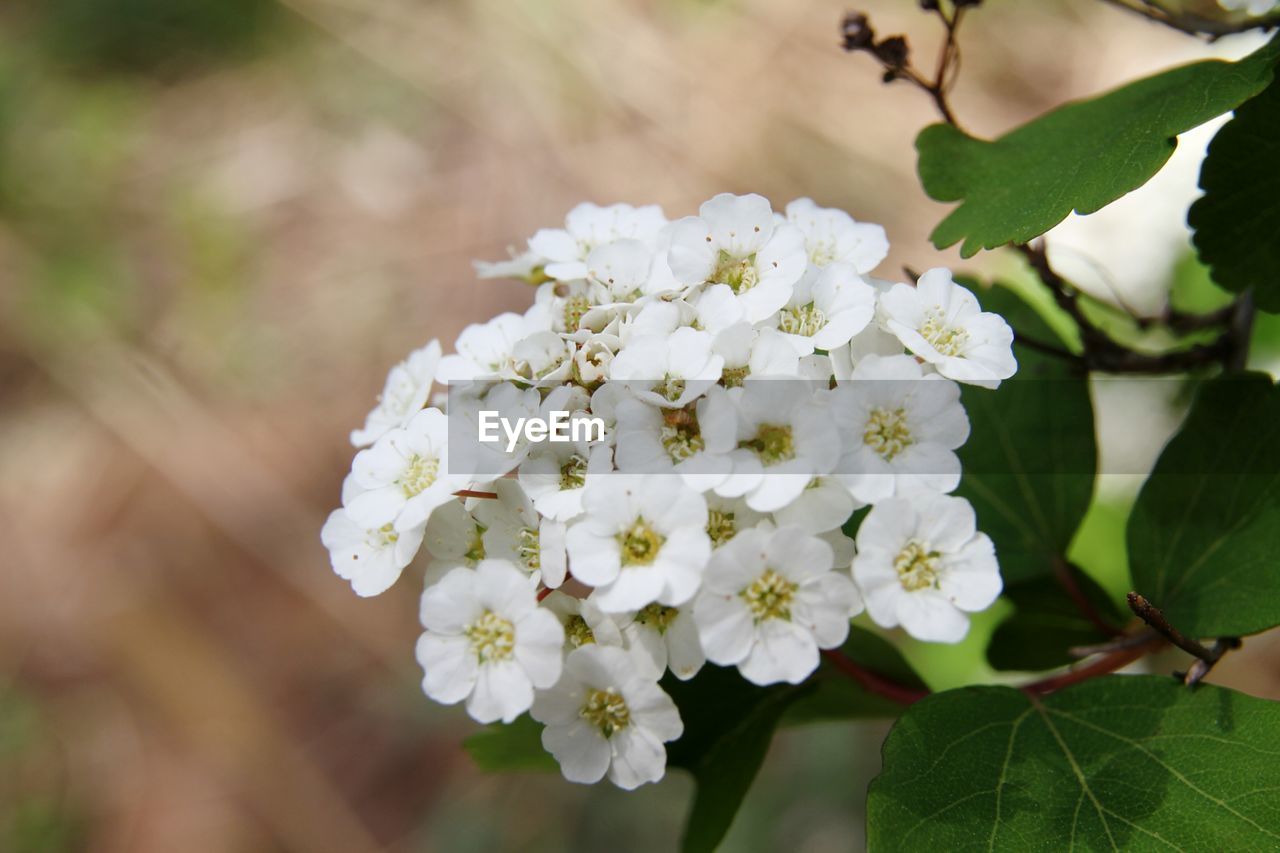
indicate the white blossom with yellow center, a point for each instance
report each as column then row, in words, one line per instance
column 942, row 323
column 640, row 540
column 923, row 565
column 607, row 715
column 901, row 429
column 770, row 600
column 487, row 641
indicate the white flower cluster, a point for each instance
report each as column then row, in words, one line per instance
column 706, row 525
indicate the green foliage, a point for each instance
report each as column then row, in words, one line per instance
column 1030, row 460
column 1237, row 220
column 1081, row 156
column 1205, row 531
column 728, row 726
column 1047, row 622
column 1122, row 762
column 729, row 723
column 517, row 746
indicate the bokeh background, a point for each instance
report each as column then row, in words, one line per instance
column 222, row 220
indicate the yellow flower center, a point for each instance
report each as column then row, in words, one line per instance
column 739, row 273
column 574, row 308
column 917, row 566
column 947, row 340
column 640, row 544
column 607, row 711
column 732, row 377
column 803, row 320
column 658, row 616
column 419, row 475
column 769, row 596
column 887, row 432
column 671, row 388
column 573, row 473
column 680, row 435
column 721, row 526
column 578, row 631
column 528, row 550
column 493, row 638
column 773, row 444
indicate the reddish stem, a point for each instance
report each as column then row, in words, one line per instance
column 544, row 592
column 471, row 493
column 899, row 693
column 1107, row 663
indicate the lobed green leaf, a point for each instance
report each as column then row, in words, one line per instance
column 1081, row 156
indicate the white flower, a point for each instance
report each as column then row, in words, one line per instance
column 827, row 309
column 727, row 516
column 452, row 539
column 622, row 267
column 523, row 266
column 607, row 715
column 901, row 429
column 488, row 642
column 404, row 476
column 641, row 539
column 668, row 371
column 583, row 620
column 941, row 322
column 832, row 235
column 501, row 402
column 406, row 392
column 770, row 601
column 786, row 436
column 542, row 358
column 665, row 637
column 922, row 564
column 555, row 473
column 592, row 361
column 735, row 243
column 372, row 559
column 513, row 530
column 652, row 440
column 749, row 351
column 588, row 226
column 485, row 349
column 872, row 340
column 825, row 504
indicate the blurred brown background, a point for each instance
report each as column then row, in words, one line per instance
column 220, row 222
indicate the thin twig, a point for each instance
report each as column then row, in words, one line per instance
column 1104, row 665
column 1104, row 354
column 1149, row 613
column 1200, row 668
column 1062, row 571
column 891, row 690
column 1124, row 641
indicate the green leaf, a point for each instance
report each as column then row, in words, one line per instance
column 1118, row 763
column 1030, row 459
column 517, row 746
column 1205, row 532
column 1237, row 220
column 729, row 724
column 1081, row 156
column 1047, row 622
